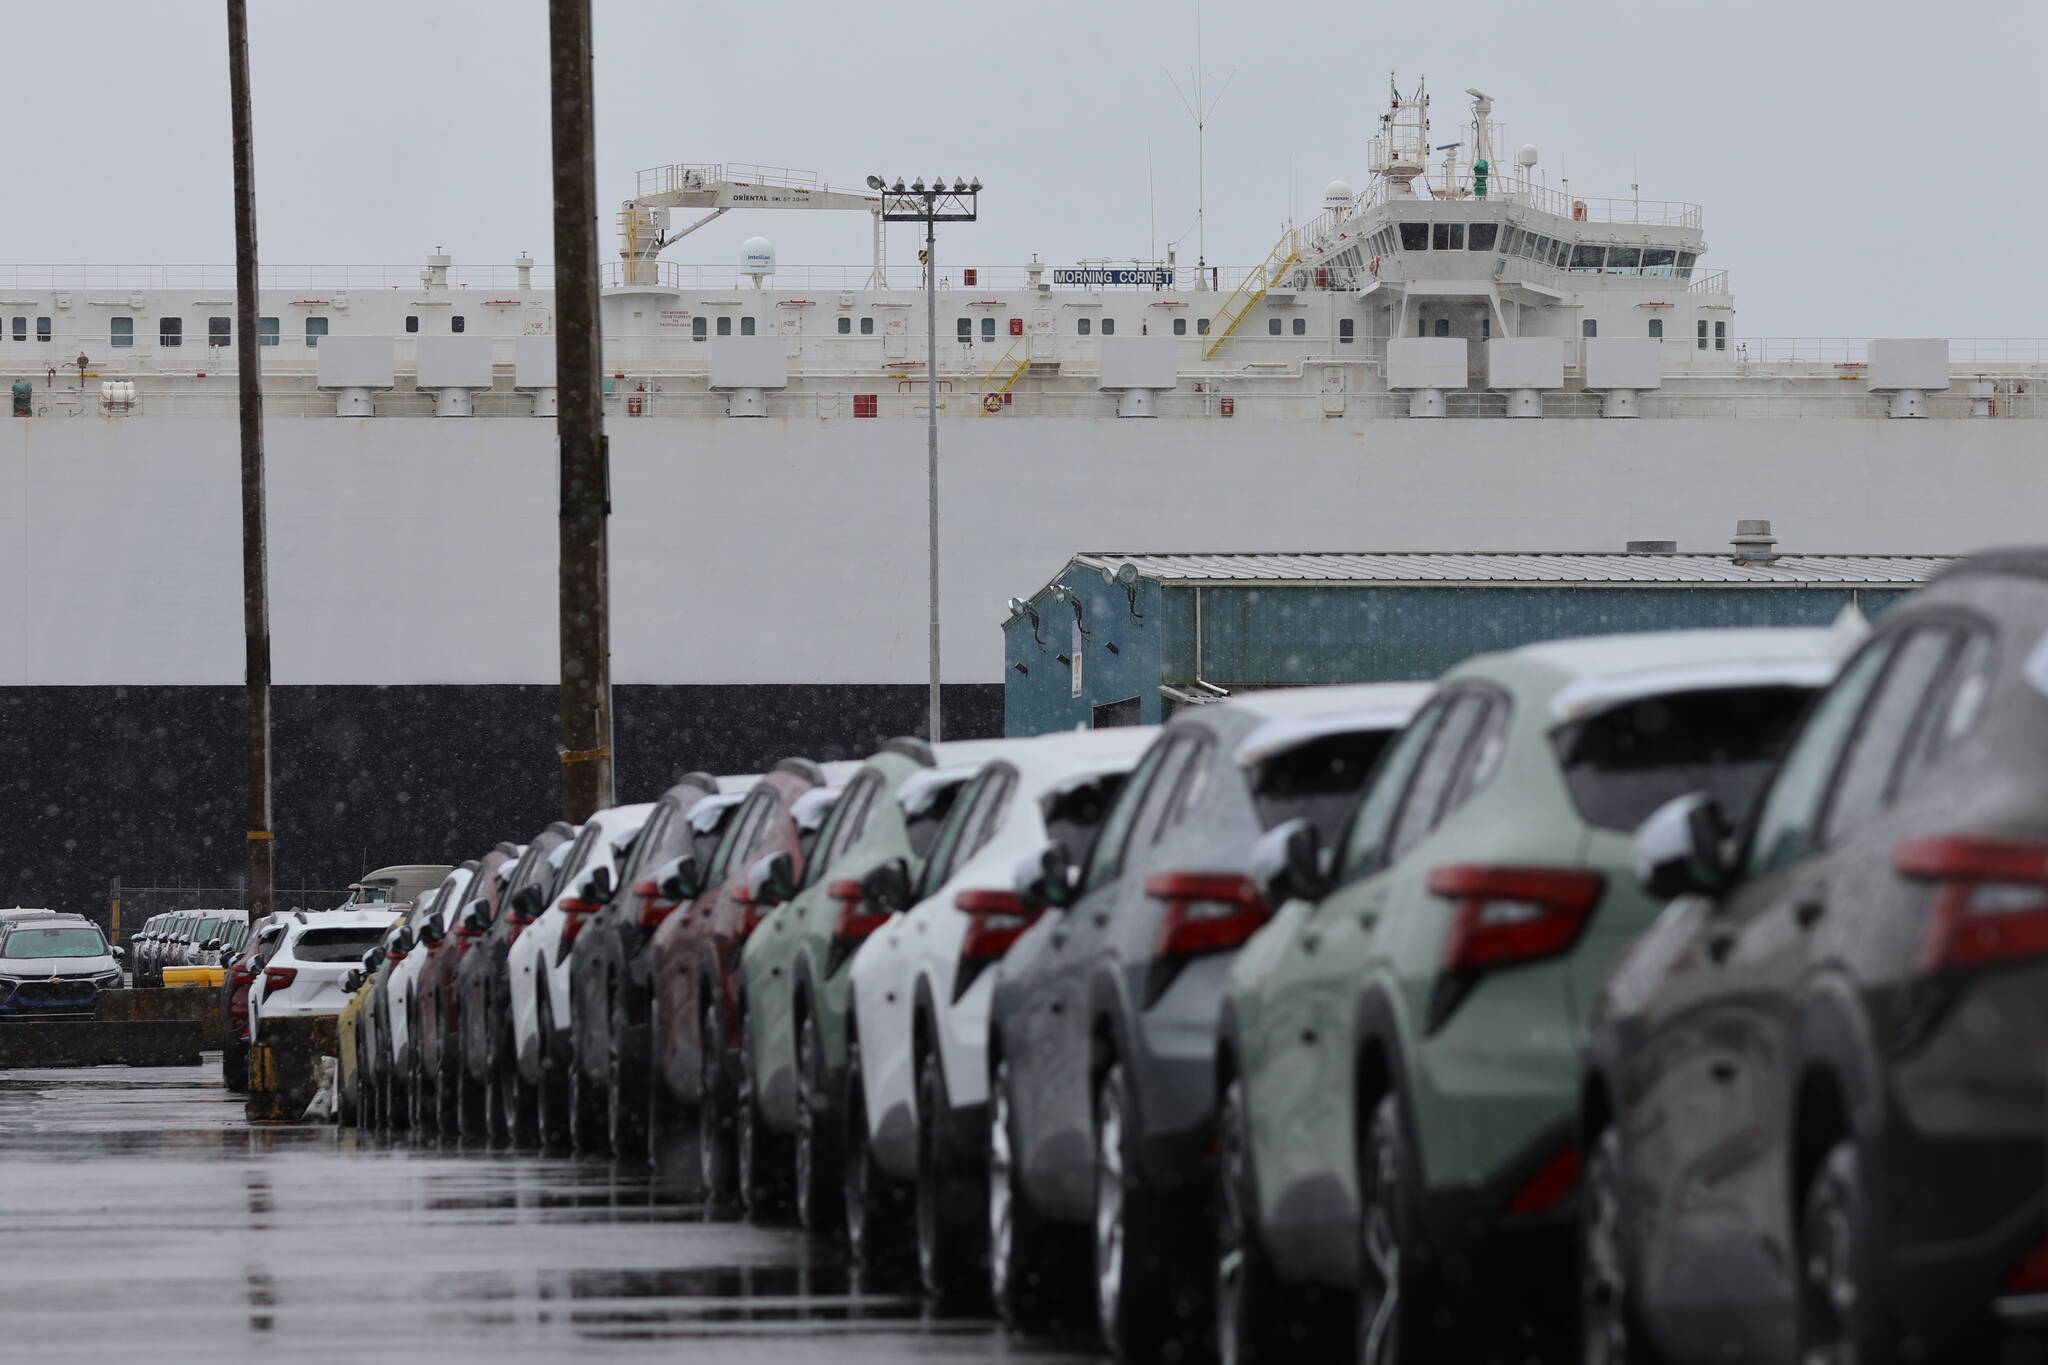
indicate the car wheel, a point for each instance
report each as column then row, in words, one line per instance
column 818, row 1178
column 419, row 1106
column 717, row 1159
column 1134, row 1301
column 950, row 1218
column 514, row 1110
column 1393, row 1307
column 552, row 1088
column 1608, row 1331
column 448, row 1089
column 764, row 1164
column 625, row 1107
column 234, row 1063
column 1030, row 1281
column 1838, row 1325
column 664, row 1116
column 589, row 1112
column 1247, row 1297
column 873, row 1207
column 472, row 1103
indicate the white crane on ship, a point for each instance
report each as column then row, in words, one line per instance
column 644, row 219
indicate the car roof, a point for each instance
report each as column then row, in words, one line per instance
column 377, row 918
column 1292, row 718
column 1595, row 673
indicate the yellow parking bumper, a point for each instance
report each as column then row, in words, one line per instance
column 195, row 976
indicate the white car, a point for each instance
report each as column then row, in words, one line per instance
column 920, row 1010
column 303, row 977
column 537, row 965
column 447, row 899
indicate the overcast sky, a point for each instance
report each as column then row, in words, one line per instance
column 1864, row 169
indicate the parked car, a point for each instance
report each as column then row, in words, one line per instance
column 795, row 964
column 436, row 1009
column 607, row 1019
column 1397, row 1061
column 303, row 974
column 155, row 944
column 481, row 989
column 694, row 1028
column 537, row 964
column 54, row 967
column 382, row 1093
column 426, row 926
column 917, row 1064
column 355, row 1098
column 1102, row 1037
column 1815, row 1105
column 401, row 882
column 244, row 969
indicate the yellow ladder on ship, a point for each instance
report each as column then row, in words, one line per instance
column 1004, row 376
column 1250, row 290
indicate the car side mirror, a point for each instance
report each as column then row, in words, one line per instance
column 1047, row 878
column 1287, row 864
column 527, row 901
column 1679, row 850
column 476, row 916
column 597, row 887
column 887, row 885
column 352, row 981
column 430, row 931
column 119, row 953
column 680, row 879
column 214, row 945
column 772, row 880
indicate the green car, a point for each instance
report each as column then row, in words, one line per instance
column 794, row 978
column 1398, row 1063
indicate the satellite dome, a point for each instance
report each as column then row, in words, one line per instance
column 757, row 257
column 1527, row 156
column 1336, row 194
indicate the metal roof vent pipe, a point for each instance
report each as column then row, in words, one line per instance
column 1653, row 547
column 1754, row 543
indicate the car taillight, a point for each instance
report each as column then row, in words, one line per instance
column 1206, row 912
column 2031, row 1276
column 995, row 920
column 277, row 978
column 1503, row 916
column 1551, row 1183
column 576, row 914
column 854, row 924
column 750, row 916
column 653, row 909
column 1991, row 901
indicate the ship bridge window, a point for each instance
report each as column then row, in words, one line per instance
column 1657, row 329
column 1346, row 328
column 963, row 329
column 1511, row 245
column 458, row 323
column 725, row 326
column 1624, row 260
column 1109, row 327
column 1180, row 327
column 169, row 331
column 1481, row 236
column 412, row 322
column 1657, row 260
column 867, row 327
column 220, row 331
column 845, row 326
column 988, row 328
column 315, row 329
column 1559, row 253
column 1588, row 260
column 1272, row 327
column 21, row 329
column 1414, row 236
column 1447, row 236
column 1685, row 260
column 1083, row 326
column 1301, row 327
column 746, row 327
column 266, row 331
column 699, row 327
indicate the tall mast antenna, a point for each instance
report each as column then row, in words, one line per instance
column 1199, row 110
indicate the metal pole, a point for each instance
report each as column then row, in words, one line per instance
column 586, row 741
column 261, row 841
column 931, row 457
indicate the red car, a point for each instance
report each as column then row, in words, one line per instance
column 694, row 960
column 242, row 971
column 437, row 1004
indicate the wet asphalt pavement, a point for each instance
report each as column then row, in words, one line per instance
column 142, row 1219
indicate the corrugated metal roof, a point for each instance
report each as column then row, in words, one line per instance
column 1511, row 568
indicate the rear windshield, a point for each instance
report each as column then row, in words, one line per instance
column 1319, row 779
column 80, row 941
column 336, row 945
column 208, row 928
column 922, row 824
column 1622, row 764
column 1073, row 815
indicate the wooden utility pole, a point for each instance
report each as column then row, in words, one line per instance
column 261, row 843
column 586, row 744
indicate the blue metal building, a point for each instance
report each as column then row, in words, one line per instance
column 1121, row 639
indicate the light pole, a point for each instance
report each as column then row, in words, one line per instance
column 931, row 205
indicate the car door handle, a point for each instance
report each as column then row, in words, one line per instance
column 1310, row 942
column 1058, row 1007
column 1101, row 919
column 1059, row 938
column 1720, row 943
column 1369, row 920
column 1722, row 1071
column 1809, row 911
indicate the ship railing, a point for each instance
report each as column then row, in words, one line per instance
column 690, row 176
column 46, row 278
column 1524, row 193
column 909, row 278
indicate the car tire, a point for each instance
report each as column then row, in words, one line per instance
column 816, row 1158
column 419, row 1104
column 234, row 1063
column 589, row 1112
column 625, row 1106
column 717, row 1147
column 1610, row 1329
column 1395, row 1294
column 951, row 1203
column 1249, row 1308
column 552, row 1088
column 513, row 1110
column 1030, row 1266
column 765, row 1160
column 472, row 1103
column 875, row 1209
column 665, row 1128
column 1838, row 1325
column 1137, row 1275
